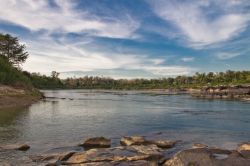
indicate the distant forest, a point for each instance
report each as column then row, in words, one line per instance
column 13, row 54
column 89, row 82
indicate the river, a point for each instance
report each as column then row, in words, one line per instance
column 66, row 117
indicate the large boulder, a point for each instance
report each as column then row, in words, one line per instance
column 96, row 142
column 21, row 147
column 244, row 149
column 204, row 156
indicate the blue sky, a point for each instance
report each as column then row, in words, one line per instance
column 130, row 38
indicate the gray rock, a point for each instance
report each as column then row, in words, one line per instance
column 51, row 158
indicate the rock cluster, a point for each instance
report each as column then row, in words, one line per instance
column 137, row 150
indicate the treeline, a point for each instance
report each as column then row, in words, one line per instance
column 89, row 82
column 196, row 81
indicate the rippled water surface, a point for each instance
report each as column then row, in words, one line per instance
column 69, row 116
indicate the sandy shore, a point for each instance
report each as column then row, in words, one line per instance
column 15, row 97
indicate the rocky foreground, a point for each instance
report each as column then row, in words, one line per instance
column 137, row 150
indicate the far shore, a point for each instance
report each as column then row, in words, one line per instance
column 17, row 97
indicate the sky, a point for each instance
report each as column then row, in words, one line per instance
column 130, row 38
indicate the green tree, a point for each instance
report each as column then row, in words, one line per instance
column 12, row 50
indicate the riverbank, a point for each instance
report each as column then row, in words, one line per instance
column 11, row 97
column 136, row 151
column 239, row 92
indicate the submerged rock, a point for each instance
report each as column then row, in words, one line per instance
column 96, row 142
column 21, row 147
column 244, row 149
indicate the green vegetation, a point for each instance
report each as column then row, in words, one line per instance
column 12, row 55
column 10, row 75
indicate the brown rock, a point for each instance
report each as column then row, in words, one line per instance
column 21, row 147
column 198, row 145
column 96, row 142
column 164, row 143
column 133, row 140
column 244, row 149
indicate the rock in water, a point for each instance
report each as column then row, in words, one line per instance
column 139, row 140
column 21, row 147
column 133, row 140
column 198, row 145
column 244, row 149
column 164, row 143
column 96, row 142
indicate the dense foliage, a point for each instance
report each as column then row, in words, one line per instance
column 10, row 75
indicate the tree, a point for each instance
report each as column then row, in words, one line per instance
column 54, row 74
column 12, row 50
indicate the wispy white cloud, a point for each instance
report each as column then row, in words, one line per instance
column 39, row 15
column 203, row 23
column 226, row 55
column 187, row 59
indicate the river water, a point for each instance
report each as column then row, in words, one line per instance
column 68, row 116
